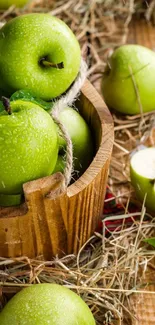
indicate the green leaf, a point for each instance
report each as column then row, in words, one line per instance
column 27, row 95
column 22, row 94
column 150, row 241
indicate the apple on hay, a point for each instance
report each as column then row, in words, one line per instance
column 46, row 304
column 142, row 173
column 130, row 69
column 5, row 4
column 28, row 146
column 38, row 52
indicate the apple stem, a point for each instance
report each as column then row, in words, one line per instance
column 6, row 104
column 46, row 63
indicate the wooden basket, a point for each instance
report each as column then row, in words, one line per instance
column 55, row 220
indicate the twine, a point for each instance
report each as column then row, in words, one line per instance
column 58, row 107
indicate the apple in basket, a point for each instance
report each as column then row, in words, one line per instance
column 5, row 4
column 38, row 52
column 28, row 146
column 80, row 134
column 142, row 172
column 128, row 83
column 77, row 128
column 46, row 304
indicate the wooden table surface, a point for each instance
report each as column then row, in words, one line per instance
column 142, row 33
column 143, row 305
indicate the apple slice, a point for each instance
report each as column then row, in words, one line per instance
column 142, row 173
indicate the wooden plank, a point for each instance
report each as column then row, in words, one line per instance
column 142, row 33
column 142, row 305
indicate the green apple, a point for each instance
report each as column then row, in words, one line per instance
column 77, row 128
column 60, row 164
column 80, row 134
column 7, row 200
column 38, row 52
column 5, row 4
column 28, row 146
column 130, row 71
column 142, row 172
column 46, row 304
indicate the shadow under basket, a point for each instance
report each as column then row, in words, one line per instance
column 55, row 220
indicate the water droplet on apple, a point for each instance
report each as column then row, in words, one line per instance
column 3, row 184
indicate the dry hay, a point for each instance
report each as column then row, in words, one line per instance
column 105, row 272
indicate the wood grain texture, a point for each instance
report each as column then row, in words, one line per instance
column 41, row 231
column 142, row 305
column 142, row 33
column 55, row 220
column 87, row 193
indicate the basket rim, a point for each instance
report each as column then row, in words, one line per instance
column 107, row 139
column 100, row 160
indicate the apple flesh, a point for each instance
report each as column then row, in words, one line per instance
column 118, row 85
column 38, row 52
column 142, row 173
column 28, row 146
column 43, row 304
column 5, row 4
column 80, row 134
